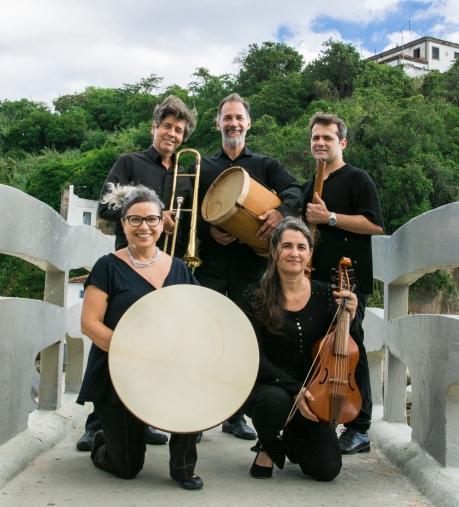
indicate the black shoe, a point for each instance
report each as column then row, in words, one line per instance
column 194, row 482
column 98, row 440
column 85, row 441
column 352, row 442
column 154, row 437
column 260, row 472
column 239, row 429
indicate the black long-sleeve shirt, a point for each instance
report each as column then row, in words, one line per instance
column 286, row 356
column 146, row 168
column 238, row 260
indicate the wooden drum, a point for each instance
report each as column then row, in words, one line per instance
column 234, row 202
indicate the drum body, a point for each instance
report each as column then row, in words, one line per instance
column 234, row 202
column 183, row 358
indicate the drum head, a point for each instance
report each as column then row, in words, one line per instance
column 227, row 189
column 183, row 358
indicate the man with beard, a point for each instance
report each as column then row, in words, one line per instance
column 229, row 266
column 346, row 216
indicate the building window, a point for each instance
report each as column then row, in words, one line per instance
column 417, row 53
column 456, row 55
column 435, row 53
column 87, row 217
column 81, row 293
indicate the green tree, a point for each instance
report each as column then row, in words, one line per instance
column 271, row 60
column 288, row 104
column 339, row 64
column 404, row 195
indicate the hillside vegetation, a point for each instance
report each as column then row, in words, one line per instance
column 403, row 131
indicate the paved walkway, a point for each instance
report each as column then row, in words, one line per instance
column 62, row 476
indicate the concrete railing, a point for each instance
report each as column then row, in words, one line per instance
column 31, row 230
column 426, row 345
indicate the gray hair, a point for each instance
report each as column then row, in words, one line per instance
column 328, row 119
column 124, row 196
column 233, row 97
column 173, row 106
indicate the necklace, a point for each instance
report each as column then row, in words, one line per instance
column 140, row 264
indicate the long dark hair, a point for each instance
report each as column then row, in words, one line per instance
column 269, row 299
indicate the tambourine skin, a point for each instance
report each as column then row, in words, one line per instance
column 183, row 358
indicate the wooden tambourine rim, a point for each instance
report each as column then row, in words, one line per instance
column 240, row 200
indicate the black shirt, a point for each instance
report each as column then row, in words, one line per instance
column 349, row 191
column 124, row 286
column 286, row 356
column 146, row 168
column 238, row 260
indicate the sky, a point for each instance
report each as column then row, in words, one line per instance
column 50, row 48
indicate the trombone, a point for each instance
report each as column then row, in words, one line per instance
column 190, row 257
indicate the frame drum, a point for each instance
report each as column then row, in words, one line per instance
column 234, row 202
column 183, row 358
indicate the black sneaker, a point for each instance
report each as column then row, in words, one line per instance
column 154, row 437
column 239, row 429
column 85, row 441
column 351, row 441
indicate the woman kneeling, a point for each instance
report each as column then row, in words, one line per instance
column 290, row 313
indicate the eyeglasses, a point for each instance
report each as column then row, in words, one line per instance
column 150, row 220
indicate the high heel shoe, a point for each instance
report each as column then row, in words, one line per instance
column 260, row 472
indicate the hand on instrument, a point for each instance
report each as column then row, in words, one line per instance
column 221, row 237
column 271, row 218
column 316, row 211
column 351, row 305
column 168, row 221
column 303, row 406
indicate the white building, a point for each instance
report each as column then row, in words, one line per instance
column 421, row 56
column 78, row 211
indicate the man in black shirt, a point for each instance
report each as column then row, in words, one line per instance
column 172, row 124
column 346, row 216
column 229, row 266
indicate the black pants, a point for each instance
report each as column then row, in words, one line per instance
column 92, row 422
column 122, row 452
column 314, row 446
column 234, row 289
column 362, row 372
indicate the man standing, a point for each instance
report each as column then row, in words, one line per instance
column 172, row 124
column 346, row 216
column 229, row 266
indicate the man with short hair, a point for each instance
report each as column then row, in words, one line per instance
column 172, row 124
column 346, row 215
column 229, row 266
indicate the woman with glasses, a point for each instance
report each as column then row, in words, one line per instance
column 117, row 281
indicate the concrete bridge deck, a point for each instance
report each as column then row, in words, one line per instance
column 63, row 476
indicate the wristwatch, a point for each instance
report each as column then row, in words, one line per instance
column 332, row 219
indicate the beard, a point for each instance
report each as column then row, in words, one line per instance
column 232, row 141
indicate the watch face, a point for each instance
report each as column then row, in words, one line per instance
column 332, row 219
